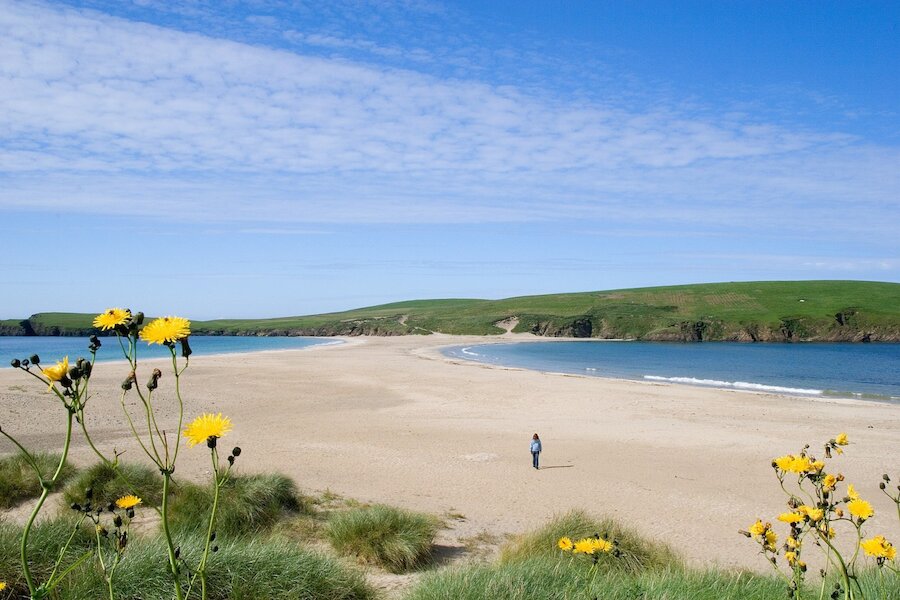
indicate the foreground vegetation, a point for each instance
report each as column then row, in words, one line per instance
column 766, row 311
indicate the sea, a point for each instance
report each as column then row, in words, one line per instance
column 51, row 349
column 865, row 371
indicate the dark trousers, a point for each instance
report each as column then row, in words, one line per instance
column 534, row 459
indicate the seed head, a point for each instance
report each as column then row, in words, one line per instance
column 35, row 359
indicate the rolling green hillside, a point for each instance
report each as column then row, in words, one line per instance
column 745, row 311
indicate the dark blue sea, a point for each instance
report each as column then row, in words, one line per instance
column 52, row 349
column 870, row 371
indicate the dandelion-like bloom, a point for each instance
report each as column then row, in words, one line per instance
column 166, row 330
column 2, row 585
column 57, row 371
column 878, row 547
column 111, row 317
column 825, row 531
column 790, row 517
column 585, row 546
column 860, row 509
column 818, row 465
column 794, row 464
column 851, row 492
column 565, row 543
column 771, row 540
column 128, row 501
column 792, row 542
column 206, row 426
column 758, row 528
column 601, row 545
column 814, row 514
column 791, row 557
column 829, row 482
column 841, row 439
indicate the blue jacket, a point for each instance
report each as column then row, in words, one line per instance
column 535, row 445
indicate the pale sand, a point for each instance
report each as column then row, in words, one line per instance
column 390, row 420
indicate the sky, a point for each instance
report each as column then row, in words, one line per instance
column 228, row 158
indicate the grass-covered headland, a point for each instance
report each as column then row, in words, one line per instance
column 764, row 311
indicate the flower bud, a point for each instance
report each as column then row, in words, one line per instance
column 230, row 460
column 65, row 381
column 154, row 379
column 15, row 363
column 89, row 493
column 75, row 506
column 25, row 362
column 35, row 359
column 129, row 512
column 211, row 441
column 236, row 451
column 177, row 552
column 129, row 381
column 86, row 370
column 886, row 478
column 138, row 318
column 212, row 536
column 881, row 486
column 75, row 372
column 215, row 548
column 117, row 521
column 185, row 347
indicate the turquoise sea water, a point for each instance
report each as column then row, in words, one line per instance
column 842, row 370
column 51, row 349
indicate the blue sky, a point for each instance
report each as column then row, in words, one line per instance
column 251, row 159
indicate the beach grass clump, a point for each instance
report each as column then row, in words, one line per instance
column 46, row 541
column 395, row 539
column 108, row 483
column 634, row 552
column 546, row 578
column 18, row 481
column 249, row 504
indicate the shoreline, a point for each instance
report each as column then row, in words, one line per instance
column 391, row 420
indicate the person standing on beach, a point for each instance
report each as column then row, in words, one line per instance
column 535, row 450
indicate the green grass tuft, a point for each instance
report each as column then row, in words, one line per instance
column 19, row 482
column 638, row 554
column 395, row 539
column 248, row 504
column 107, row 485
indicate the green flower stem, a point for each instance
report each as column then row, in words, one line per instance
column 70, row 568
column 180, row 401
column 28, row 457
column 23, row 547
column 50, row 581
column 201, row 569
column 848, row 593
column 170, row 547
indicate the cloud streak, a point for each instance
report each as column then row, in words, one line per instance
column 105, row 115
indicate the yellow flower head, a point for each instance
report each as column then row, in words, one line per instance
column 601, row 545
column 585, row 546
column 860, row 509
column 771, row 540
column 2, row 585
column 111, row 317
column 829, row 482
column 128, row 501
column 814, row 514
column 818, row 465
column 841, row 439
column 206, row 426
column 794, row 464
column 878, row 547
column 758, row 528
column 792, row 542
column 166, row 330
column 791, row 517
column 565, row 543
column 825, row 531
column 851, row 492
column 791, row 557
column 57, row 371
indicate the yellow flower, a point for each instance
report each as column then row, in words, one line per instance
column 585, row 546
column 206, row 426
column 794, row 464
column 602, row 545
column 166, row 330
column 814, row 514
column 565, row 543
column 790, row 517
column 851, row 492
column 879, row 547
column 841, row 439
column 771, row 540
column 757, row 529
column 821, row 528
column 818, row 465
column 860, row 509
column 57, row 371
column 112, row 317
column 128, row 501
column 2, row 585
column 791, row 557
column 829, row 482
column 792, row 542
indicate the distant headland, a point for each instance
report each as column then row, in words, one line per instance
column 761, row 311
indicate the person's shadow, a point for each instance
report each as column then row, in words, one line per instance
column 557, row 467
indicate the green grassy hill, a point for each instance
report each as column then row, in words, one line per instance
column 744, row 311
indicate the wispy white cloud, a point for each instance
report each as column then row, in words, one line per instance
column 112, row 116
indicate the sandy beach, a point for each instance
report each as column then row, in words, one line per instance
column 391, row 420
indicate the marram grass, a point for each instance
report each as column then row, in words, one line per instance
column 18, row 481
column 45, row 543
column 636, row 553
column 395, row 539
column 107, row 485
column 249, row 504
